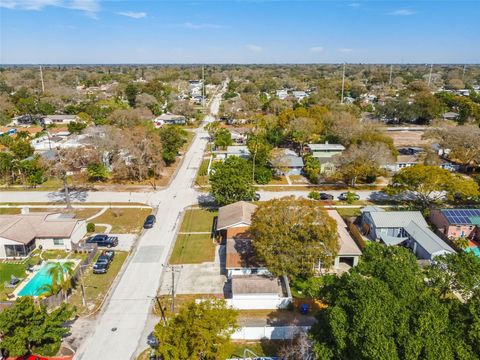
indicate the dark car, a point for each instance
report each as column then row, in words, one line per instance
column 325, row 196
column 152, row 340
column 110, row 254
column 149, row 221
column 101, row 266
column 104, row 258
column 103, row 240
column 344, row 195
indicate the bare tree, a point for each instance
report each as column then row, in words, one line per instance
column 299, row 348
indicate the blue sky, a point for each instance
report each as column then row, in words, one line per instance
column 156, row 31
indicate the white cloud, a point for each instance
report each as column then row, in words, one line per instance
column 316, row 49
column 344, row 50
column 402, row 12
column 190, row 25
column 254, row 48
column 354, row 5
column 29, row 4
column 89, row 7
column 133, row 15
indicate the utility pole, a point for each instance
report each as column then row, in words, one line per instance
column 203, row 87
column 463, row 74
column 41, row 78
column 430, row 75
column 343, row 82
column 391, row 70
column 174, row 269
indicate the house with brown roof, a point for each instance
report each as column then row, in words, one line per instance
column 349, row 253
column 20, row 234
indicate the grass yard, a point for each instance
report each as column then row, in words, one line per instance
column 6, row 272
column 260, row 348
column 9, row 211
column 193, row 249
column 348, row 212
column 198, row 220
column 202, row 176
column 123, row 221
column 96, row 286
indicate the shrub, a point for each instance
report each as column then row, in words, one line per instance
column 315, row 195
column 91, row 227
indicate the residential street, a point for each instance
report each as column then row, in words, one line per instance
column 124, row 316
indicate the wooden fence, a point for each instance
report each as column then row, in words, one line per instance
column 56, row 300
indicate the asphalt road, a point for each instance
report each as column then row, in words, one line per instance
column 125, row 315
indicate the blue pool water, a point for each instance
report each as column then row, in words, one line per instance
column 33, row 286
column 475, row 250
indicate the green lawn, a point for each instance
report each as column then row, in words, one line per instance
column 260, row 348
column 198, row 220
column 6, row 272
column 193, row 249
column 123, row 221
column 96, row 286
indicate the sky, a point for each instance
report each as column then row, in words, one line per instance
column 239, row 31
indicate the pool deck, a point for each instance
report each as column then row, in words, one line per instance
column 35, row 271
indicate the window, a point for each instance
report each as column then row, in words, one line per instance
column 57, row 241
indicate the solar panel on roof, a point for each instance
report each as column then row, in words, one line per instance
column 460, row 216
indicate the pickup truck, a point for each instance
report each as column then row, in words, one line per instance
column 103, row 240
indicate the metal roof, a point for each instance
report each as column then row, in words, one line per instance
column 427, row 239
column 325, row 147
column 397, row 219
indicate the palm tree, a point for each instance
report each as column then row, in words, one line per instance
column 462, row 242
column 61, row 274
column 47, row 290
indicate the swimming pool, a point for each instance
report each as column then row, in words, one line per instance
column 475, row 250
column 41, row 278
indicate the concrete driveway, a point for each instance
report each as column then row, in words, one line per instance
column 125, row 241
column 205, row 278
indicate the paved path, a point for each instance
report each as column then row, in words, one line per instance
column 125, row 315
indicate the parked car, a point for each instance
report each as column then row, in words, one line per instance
column 325, row 196
column 101, row 266
column 110, row 254
column 344, row 195
column 152, row 340
column 149, row 221
column 103, row 240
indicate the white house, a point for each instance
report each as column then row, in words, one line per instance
column 257, row 292
column 59, row 119
column 238, row 150
column 169, row 119
column 22, row 233
column 299, row 95
column 282, row 94
column 403, row 161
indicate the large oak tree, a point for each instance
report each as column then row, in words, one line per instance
column 291, row 236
